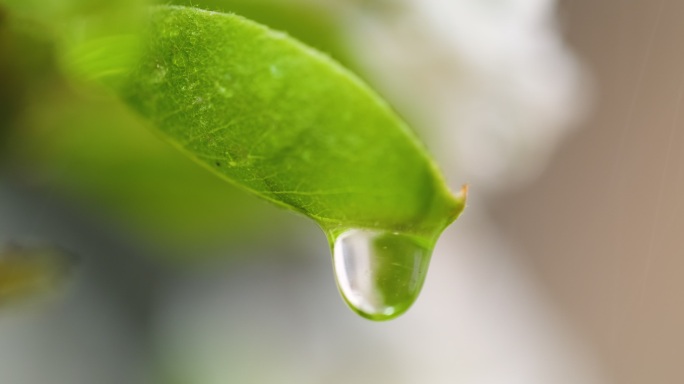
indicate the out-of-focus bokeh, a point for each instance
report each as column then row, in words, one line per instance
column 602, row 228
column 565, row 268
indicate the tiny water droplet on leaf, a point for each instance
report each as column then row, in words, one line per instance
column 379, row 273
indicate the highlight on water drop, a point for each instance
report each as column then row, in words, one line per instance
column 379, row 273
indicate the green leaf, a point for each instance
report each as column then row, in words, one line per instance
column 71, row 140
column 312, row 23
column 285, row 122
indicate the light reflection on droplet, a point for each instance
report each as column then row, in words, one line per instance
column 379, row 273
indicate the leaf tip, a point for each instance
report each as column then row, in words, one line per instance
column 460, row 200
column 462, row 195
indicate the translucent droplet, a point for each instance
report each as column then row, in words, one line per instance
column 275, row 71
column 379, row 273
column 159, row 74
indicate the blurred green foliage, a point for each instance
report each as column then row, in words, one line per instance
column 72, row 137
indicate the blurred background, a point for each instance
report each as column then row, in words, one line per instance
column 140, row 267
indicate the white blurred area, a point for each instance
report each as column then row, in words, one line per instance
column 491, row 82
column 479, row 320
column 494, row 90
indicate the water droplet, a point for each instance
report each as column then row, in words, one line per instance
column 379, row 273
column 224, row 91
column 159, row 74
column 275, row 71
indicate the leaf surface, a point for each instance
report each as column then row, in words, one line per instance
column 285, row 122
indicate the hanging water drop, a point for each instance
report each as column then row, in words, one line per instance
column 379, row 273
